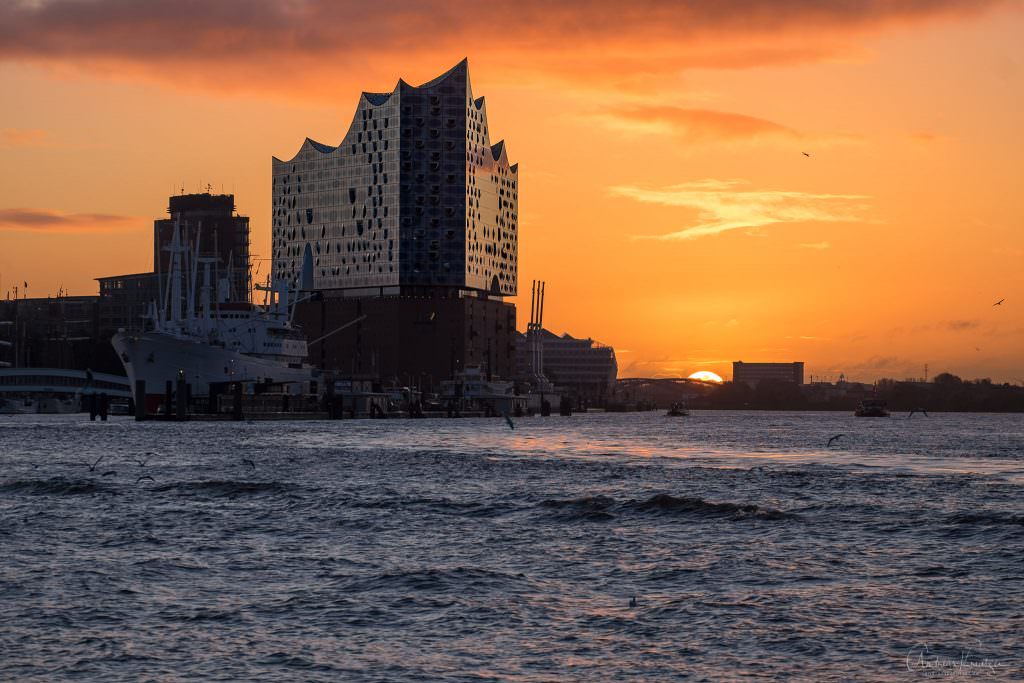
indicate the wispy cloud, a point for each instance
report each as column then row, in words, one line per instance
column 43, row 220
column 962, row 325
column 695, row 124
column 24, row 137
column 723, row 205
column 926, row 137
column 815, row 245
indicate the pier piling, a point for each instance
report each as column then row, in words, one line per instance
column 140, row 400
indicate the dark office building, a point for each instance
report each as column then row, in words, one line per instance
column 414, row 214
column 125, row 300
column 753, row 374
column 61, row 332
column 584, row 368
column 409, row 341
column 222, row 234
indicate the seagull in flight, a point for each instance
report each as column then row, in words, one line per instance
column 834, row 438
column 999, row 303
column 92, row 467
column 806, row 154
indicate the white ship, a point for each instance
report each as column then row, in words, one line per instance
column 207, row 340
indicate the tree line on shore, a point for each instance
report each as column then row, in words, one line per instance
column 946, row 392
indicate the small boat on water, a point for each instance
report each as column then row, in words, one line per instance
column 872, row 407
column 677, row 410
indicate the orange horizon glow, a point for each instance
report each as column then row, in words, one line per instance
column 699, row 183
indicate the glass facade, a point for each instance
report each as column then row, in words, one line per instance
column 415, row 196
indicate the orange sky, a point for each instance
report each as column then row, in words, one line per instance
column 664, row 197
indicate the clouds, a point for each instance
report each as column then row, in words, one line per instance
column 697, row 124
column 45, row 221
column 23, row 137
column 962, row 325
column 723, row 206
column 288, row 44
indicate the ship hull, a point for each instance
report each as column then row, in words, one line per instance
column 158, row 358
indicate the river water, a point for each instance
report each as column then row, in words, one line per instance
column 463, row 550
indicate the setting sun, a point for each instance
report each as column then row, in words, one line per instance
column 706, row 376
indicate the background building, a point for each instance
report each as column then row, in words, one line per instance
column 584, row 368
column 125, row 300
column 222, row 235
column 57, row 332
column 752, row 374
column 412, row 221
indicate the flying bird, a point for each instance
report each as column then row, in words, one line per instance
column 511, row 425
column 834, row 438
column 109, row 474
column 806, row 154
column 143, row 478
column 999, row 303
column 249, row 462
column 92, row 467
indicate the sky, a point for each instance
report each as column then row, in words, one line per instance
column 666, row 193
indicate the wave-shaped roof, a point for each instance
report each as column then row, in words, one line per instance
column 376, row 99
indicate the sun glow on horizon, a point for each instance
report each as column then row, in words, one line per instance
column 706, row 376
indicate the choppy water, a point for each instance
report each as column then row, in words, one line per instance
column 463, row 550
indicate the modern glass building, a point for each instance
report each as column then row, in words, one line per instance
column 414, row 198
column 409, row 225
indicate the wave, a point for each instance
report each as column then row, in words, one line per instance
column 56, row 486
column 451, row 579
column 592, row 508
column 987, row 518
column 605, row 508
column 226, row 488
column 439, row 505
column 664, row 503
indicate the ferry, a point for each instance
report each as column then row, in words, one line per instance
column 678, row 410
column 872, row 407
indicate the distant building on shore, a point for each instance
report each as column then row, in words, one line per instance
column 585, row 368
column 412, row 221
column 125, row 300
column 753, row 374
column 54, row 332
column 222, row 235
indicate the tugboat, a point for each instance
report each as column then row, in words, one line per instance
column 871, row 407
column 677, row 410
